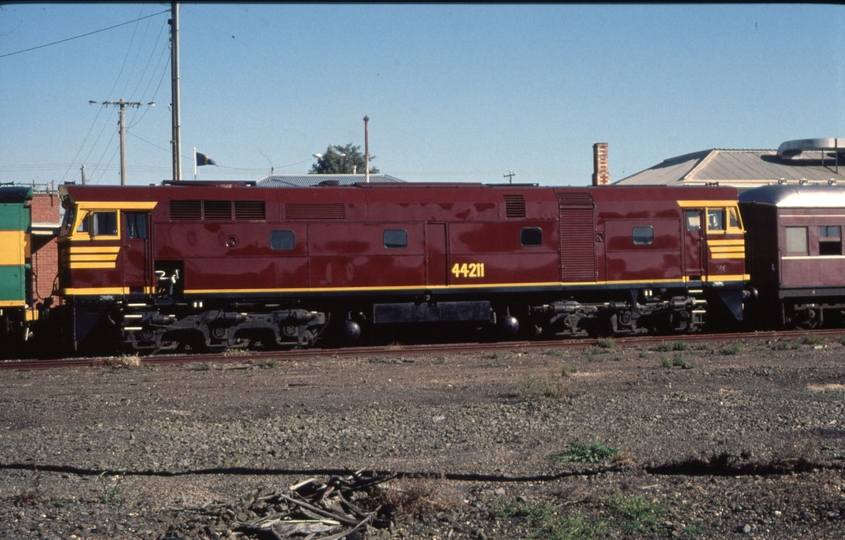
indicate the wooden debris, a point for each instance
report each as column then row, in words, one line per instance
column 313, row 509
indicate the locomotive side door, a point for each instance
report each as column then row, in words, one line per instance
column 435, row 254
column 694, row 245
column 576, row 212
column 136, row 276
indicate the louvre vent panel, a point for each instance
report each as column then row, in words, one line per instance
column 514, row 206
column 250, row 210
column 217, row 210
column 315, row 211
column 578, row 198
column 185, row 210
column 577, row 244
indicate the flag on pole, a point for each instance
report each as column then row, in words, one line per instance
column 203, row 159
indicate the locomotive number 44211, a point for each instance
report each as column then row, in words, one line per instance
column 468, row 270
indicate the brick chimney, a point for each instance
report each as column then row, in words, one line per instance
column 601, row 176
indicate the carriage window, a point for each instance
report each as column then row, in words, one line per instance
column 282, row 240
column 796, row 240
column 716, row 219
column 693, row 218
column 395, row 238
column 104, row 224
column 136, row 226
column 531, row 236
column 830, row 240
column 643, row 236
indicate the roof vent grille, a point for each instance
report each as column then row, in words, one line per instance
column 217, row 210
column 185, row 209
column 250, row 210
column 514, row 206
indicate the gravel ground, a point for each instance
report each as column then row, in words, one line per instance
column 720, row 441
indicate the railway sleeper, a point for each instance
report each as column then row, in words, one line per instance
column 218, row 330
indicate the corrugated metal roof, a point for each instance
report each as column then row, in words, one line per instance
column 739, row 167
column 309, row 180
column 797, row 196
column 670, row 172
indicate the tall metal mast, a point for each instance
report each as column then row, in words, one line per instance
column 176, row 122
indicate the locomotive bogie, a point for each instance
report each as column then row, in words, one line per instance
column 174, row 327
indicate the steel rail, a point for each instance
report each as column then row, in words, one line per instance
column 417, row 349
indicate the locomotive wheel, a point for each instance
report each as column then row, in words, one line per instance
column 809, row 324
column 810, row 319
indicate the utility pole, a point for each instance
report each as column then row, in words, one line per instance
column 509, row 175
column 122, row 106
column 82, row 169
column 176, row 121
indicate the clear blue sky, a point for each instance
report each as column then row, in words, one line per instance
column 454, row 92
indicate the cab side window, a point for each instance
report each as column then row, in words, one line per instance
column 716, row 219
column 136, row 226
column 732, row 219
column 104, row 224
column 83, row 223
column 693, row 218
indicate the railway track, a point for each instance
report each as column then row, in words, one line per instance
column 419, row 349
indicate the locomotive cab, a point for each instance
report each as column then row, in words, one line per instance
column 104, row 262
column 104, row 248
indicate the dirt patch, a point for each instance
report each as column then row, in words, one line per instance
column 687, row 443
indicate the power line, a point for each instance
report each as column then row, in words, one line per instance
column 163, row 73
column 81, row 36
column 168, row 150
column 117, row 80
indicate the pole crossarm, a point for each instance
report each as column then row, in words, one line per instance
column 122, row 108
column 122, row 103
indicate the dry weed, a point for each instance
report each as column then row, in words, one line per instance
column 622, row 460
column 130, row 360
column 416, row 497
column 800, row 452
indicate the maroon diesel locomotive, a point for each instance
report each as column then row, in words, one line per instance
column 795, row 254
column 214, row 265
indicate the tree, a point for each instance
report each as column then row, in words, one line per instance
column 342, row 160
